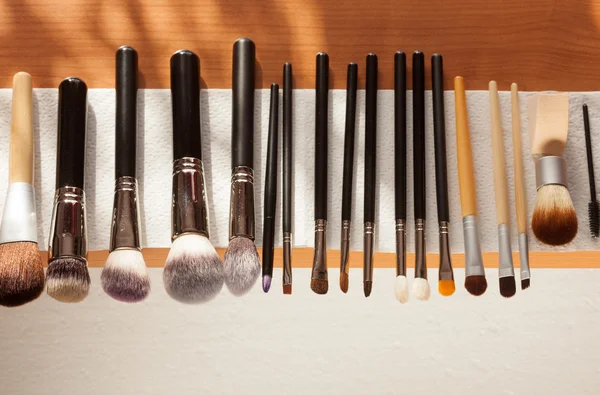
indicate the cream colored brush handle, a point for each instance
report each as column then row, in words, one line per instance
column 21, row 131
column 500, row 183
column 520, row 196
column 466, row 173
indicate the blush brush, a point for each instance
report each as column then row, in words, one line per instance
column 287, row 178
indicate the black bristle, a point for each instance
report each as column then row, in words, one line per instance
column 594, row 218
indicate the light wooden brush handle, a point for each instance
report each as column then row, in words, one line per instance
column 500, row 183
column 466, row 173
column 21, row 131
column 520, row 196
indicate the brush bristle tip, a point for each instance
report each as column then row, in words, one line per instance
column 241, row 265
column 508, row 288
column 476, row 285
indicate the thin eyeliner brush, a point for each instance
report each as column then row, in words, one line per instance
column 351, row 87
column 287, row 178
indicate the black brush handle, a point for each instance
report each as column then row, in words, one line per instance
column 185, row 97
column 400, row 134
column 370, row 138
column 588, row 147
column 321, row 119
column 351, row 88
column 126, row 118
column 419, row 133
column 72, row 128
column 439, row 134
column 242, row 136
column 271, row 184
column 287, row 148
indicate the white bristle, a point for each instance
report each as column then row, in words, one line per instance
column 401, row 289
column 242, row 265
column 420, row 288
column 125, row 277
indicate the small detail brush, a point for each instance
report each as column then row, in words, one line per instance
column 593, row 207
column 242, row 264
column 125, row 277
column 370, row 171
column 506, row 271
column 475, row 281
column 520, row 196
column 420, row 286
column 287, row 178
column 193, row 271
column 401, row 285
column 554, row 220
column 446, row 285
column 351, row 88
column 21, row 270
column 270, row 191
column 318, row 282
column 67, row 278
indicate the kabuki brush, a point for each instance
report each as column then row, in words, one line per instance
column 287, row 178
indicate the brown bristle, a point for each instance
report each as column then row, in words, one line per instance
column 344, row 282
column 319, row 286
column 476, row 285
column 368, row 286
column 525, row 283
column 287, row 289
column 508, row 288
column 21, row 273
column 554, row 219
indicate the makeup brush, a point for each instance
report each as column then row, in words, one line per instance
column 287, row 178
column 520, row 196
column 242, row 264
column 125, row 277
column 554, row 219
column 193, row 270
column 318, row 282
column 21, row 270
column 475, row 282
column 401, row 285
column 270, row 191
column 420, row 286
column 506, row 271
column 446, row 285
column 67, row 278
column 593, row 207
column 351, row 86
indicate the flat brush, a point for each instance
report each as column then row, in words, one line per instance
column 506, row 271
column 370, row 171
column 242, row 264
column 420, row 286
column 124, row 276
column 520, row 196
column 21, row 270
column 351, row 88
column 593, row 207
column 446, row 285
column 287, row 178
column 270, row 191
column 401, row 285
column 318, row 282
column 475, row 281
column 67, row 278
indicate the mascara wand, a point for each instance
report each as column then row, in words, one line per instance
column 593, row 206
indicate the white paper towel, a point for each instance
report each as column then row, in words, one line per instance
column 155, row 157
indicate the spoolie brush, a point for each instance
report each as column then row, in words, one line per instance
column 593, row 207
column 242, row 264
column 21, row 270
column 124, row 276
column 67, row 278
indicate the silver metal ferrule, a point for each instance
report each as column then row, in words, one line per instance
column 241, row 212
column 400, row 248
column 126, row 221
column 287, row 258
column 505, row 264
column 550, row 170
column 420, row 254
column 68, row 234
column 524, row 256
column 445, row 257
column 369, row 232
column 345, row 247
column 189, row 209
column 473, row 256
column 319, row 269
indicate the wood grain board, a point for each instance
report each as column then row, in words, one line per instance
column 541, row 44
